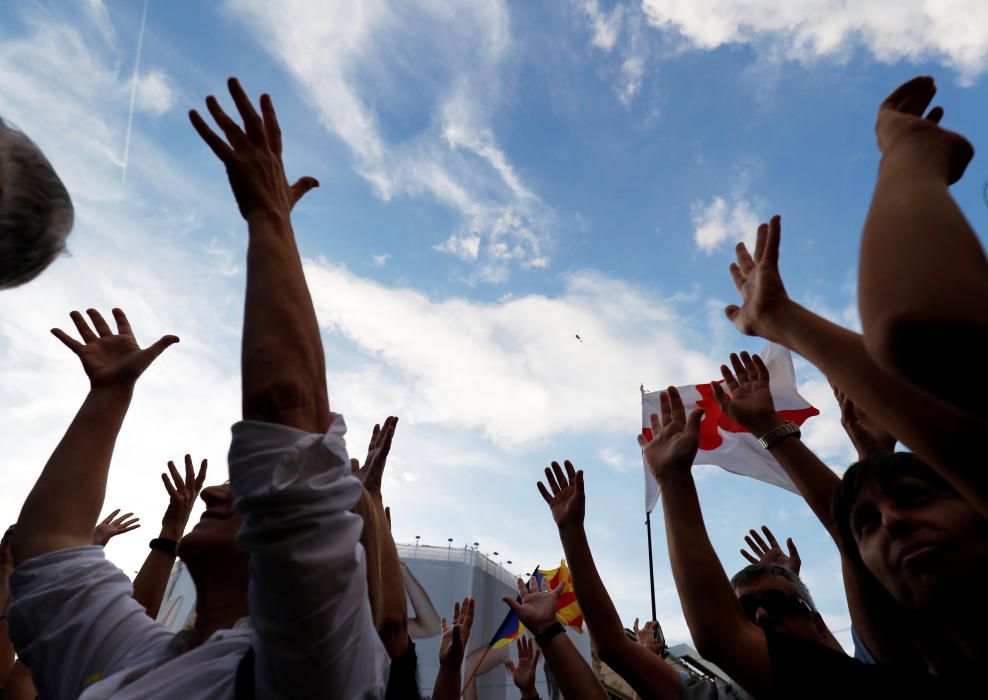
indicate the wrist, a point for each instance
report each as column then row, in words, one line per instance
column 268, row 217
column 529, row 693
column 764, row 424
column 774, row 324
column 673, row 477
column 171, row 532
column 113, row 393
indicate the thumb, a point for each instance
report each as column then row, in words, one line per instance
column 512, row 603
column 693, row 422
column 301, row 187
column 510, row 665
column 151, row 353
column 720, row 395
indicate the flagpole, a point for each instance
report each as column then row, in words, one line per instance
column 651, row 568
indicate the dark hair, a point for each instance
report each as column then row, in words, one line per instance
column 756, row 571
column 881, row 469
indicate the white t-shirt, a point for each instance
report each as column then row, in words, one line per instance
column 75, row 623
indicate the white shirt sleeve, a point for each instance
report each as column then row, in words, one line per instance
column 74, row 620
column 309, row 610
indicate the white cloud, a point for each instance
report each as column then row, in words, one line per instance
column 720, row 221
column 954, row 32
column 612, row 458
column 605, row 26
column 380, row 260
column 355, row 62
column 155, row 93
column 463, row 247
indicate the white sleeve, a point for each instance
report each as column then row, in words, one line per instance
column 74, row 620
column 309, row 610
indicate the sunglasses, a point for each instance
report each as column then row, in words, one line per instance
column 775, row 603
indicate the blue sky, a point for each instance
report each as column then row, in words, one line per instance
column 496, row 178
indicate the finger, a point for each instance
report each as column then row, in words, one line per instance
column 551, row 478
column 99, row 323
column 773, row 239
column 935, row 115
column 729, row 380
column 739, row 371
column 387, row 515
column 444, row 625
column 271, row 127
column 749, row 366
column 176, row 477
column 770, row 537
column 635, row 626
column 190, row 473
column 388, row 435
column 456, row 611
column 168, row 486
column 903, row 91
column 559, row 589
column 234, row 134
column 760, row 551
column 538, row 655
column 745, row 262
column 732, row 311
column 546, row 496
column 761, row 367
column 469, row 605
column 375, row 434
column 151, row 353
column 201, row 476
column 653, row 420
column 131, row 524
column 84, row 330
column 560, row 477
column 123, row 325
column 744, row 553
column 676, row 406
column 109, row 519
column 67, row 340
column 736, row 275
column 579, row 482
column 121, row 519
column 522, row 589
column 217, row 145
column 793, row 552
column 570, row 471
column 354, row 465
column 252, row 122
column 916, row 101
column 760, row 541
column 694, row 421
column 665, row 407
column 719, row 395
column 301, row 187
column 760, row 242
column 512, row 603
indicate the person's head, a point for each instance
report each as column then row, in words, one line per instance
column 915, row 534
column 776, row 599
column 35, row 209
column 210, row 548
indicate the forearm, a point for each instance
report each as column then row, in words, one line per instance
column 283, row 367
column 447, row 684
column 646, row 672
column 74, row 478
column 394, row 609
column 920, row 319
column 20, row 685
column 938, row 433
column 575, row 678
column 6, row 650
column 426, row 622
column 152, row 579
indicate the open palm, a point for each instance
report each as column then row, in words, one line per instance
column 675, row 439
column 748, row 399
column 759, row 282
column 567, row 499
column 108, row 358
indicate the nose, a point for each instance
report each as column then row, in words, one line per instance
column 896, row 524
column 215, row 495
column 762, row 617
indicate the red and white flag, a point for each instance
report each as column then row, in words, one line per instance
column 725, row 443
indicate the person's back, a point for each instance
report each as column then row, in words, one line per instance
column 35, row 209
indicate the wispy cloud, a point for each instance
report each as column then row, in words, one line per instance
column 607, row 29
column 719, row 221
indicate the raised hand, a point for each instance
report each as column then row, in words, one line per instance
column 377, row 456
column 866, row 435
column 759, row 282
column 111, row 526
column 454, row 639
column 537, row 609
column 748, row 399
column 523, row 674
column 650, row 637
column 108, row 358
column 182, row 494
column 675, row 439
column 771, row 553
column 901, row 121
column 252, row 155
column 567, row 500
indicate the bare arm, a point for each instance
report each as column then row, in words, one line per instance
column 426, row 622
column 716, row 620
column 937, row 432
column 282, row 364
column 75, row 475
column 451, row 648
column 537, row 611
column 645, row 671
column 152, row 579
column 20, row 684
column 925, row 323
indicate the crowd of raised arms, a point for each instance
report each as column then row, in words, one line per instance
column 299, row 589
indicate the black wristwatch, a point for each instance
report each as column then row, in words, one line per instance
column 546, row 635
column 164, row 545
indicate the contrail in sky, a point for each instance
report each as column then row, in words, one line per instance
column 133, row 91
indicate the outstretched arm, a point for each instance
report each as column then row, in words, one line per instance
column 646, row 672
column 923, row 282
column 716, row 620
column 426, row 622
column 152, row 579
column 75, row 475
column 451, row 648
column 537, row 611
column 748, row 400
column 937, row 432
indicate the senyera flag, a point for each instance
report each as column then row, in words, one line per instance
column 723, row 442
column 567, row 609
